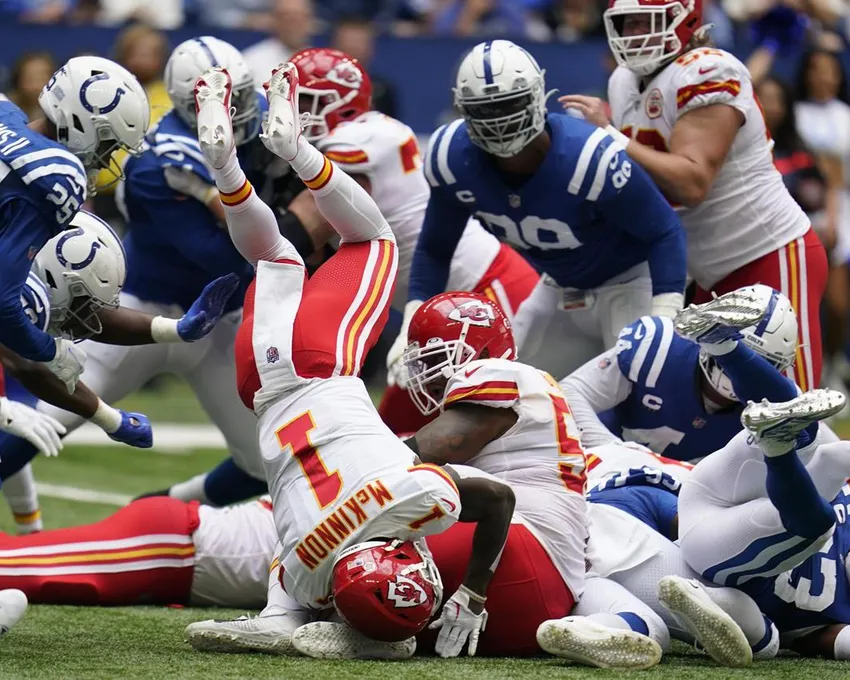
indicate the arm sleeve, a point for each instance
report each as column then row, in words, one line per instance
column 25, row 229
column 597, row 386
column 627, row 197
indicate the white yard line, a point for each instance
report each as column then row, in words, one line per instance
column 73, row 493
column 172, row 438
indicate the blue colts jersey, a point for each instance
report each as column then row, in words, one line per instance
column 586, row 215
column 174, row 244
column 665, row 409
column 42, row 186
column 646, row 493
column 817, row 592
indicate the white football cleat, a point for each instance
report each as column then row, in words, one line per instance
column 13, row 605
column 716, row 631
column 720, row 319
column 775, row 426
column 212, row 104
column 283, row 128
column 328, row 640
column 587, row 642
column 268, row 634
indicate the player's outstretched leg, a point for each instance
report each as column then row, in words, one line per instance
column 346, row 206
column 251, row 223
column 715, row 630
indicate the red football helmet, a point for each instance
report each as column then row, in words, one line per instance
column 445, row 334
column 333, row 88
column 644, row 35
column 387, row 590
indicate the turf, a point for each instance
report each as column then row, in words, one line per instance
column 147, row 642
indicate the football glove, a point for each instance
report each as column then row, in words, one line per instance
column 458, row 624
column 135, row 430
column 68, row 363
column 39, row 429
column 206, row 311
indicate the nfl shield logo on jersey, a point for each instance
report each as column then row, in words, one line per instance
column 698, row 422
column 272, row 355
column 653, row 103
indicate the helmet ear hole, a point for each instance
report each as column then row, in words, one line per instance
column 78, row 124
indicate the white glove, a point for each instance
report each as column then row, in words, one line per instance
column 667, row 304
column 68, row 364
column 396, row 372
column 458, row 624
column 187, row 182
column 39, row 429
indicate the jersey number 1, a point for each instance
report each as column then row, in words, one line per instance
column 295, row 435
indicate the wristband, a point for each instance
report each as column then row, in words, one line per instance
column 617, row 135
column 471, row 594
column 164, row 329
column 106, row 418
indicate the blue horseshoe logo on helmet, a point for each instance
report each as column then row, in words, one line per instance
column 75, row 266
column 120, row 92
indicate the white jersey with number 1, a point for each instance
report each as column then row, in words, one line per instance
column 385, row 150
column 748, row 212
column 540, row 456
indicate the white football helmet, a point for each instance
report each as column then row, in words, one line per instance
column 774, row 338
column 501, row 93
column 190, row 60
column 83, row 269
column 97, row 107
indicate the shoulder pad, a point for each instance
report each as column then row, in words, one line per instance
column 355, row 146
column 488, row 382
column 593, row 158
column 179, row 151
column 36, row 302
column 642, row 349
column 707, row 76
column 439, row 170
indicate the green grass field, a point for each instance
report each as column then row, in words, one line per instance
column 147, row 642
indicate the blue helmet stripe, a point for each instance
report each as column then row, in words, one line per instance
column 208, row 51
column 488, row 68
column 768, row 315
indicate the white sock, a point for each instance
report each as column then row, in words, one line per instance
column 19, row 492
column 190, row 490
column 230, row 178
column 278, row 601
column 347, row 206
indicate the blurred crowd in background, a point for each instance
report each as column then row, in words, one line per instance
column 807, row 111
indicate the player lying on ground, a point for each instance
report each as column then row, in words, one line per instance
column 632, row 511
column 809, row 601
column 563, row 192
column 675, row 386
column 355, row 510
column 742, row 224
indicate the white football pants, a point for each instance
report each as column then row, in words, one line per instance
column 558, row 340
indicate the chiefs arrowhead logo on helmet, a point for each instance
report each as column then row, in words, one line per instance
column 405, row 593
column 346, row 73
column 473, row 312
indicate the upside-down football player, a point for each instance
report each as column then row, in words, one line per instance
column 354, row 535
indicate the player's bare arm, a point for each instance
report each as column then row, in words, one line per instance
column 491, row 505
column 42, row 383
column 685, row 173
column 460, row 432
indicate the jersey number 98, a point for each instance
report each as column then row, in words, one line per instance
column 531, row 232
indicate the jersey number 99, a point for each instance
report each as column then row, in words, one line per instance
column 531, row 232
